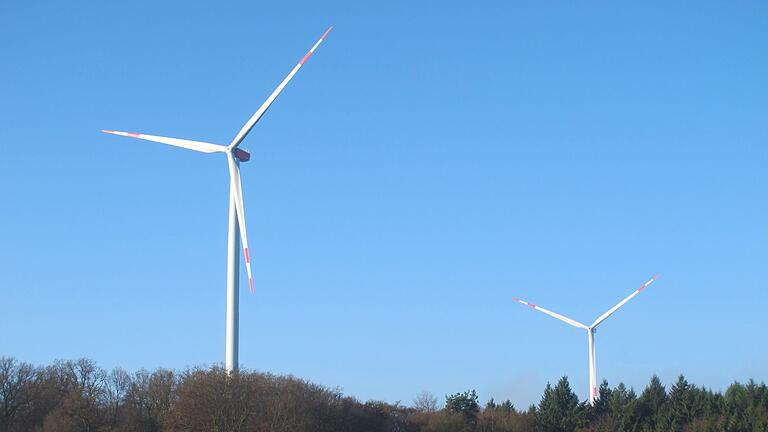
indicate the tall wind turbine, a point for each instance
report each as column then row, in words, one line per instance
column 236, row 230
column 591, row 333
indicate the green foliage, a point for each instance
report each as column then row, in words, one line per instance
column 681, row 404
column 622, row 407
column 652, row 406
column 600, row 409
column 559, row 409
column 465, row 404
column 505, row 406
column 746, row 407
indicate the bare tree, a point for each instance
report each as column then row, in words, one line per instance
column 86, row 393
column 148, row 399
column 118, row 384
column 425, row 402
column 16, row 394
column 214, row 400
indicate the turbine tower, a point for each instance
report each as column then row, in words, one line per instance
column 236, row 229
column 591, row 333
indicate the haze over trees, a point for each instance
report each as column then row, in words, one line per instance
column 69, row 396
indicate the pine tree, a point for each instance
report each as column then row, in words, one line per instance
column 736, row 405
column 652, row 406
column 681, row 404
column 507, row 406
column 601, row 404
column 623, row 408
column 746, row 407
column 490, row 405
column 559, row 409
column 464, row 403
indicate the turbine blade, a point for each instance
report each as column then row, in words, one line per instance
column 188, row 144
column 237, row 190
column 604, row 316
column 553, row 314
column 263, row 108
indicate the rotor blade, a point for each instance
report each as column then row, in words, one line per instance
column 553, row 314
column 263, row 108
column 237, row 190
column 621, row 303
column 188, row 144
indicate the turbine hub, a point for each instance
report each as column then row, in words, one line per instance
column 241, row 155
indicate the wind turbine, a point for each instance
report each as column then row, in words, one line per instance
column 591, row 332
column 236, row 229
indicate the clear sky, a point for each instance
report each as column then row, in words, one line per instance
column 429, row 162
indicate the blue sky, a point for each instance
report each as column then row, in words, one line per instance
column 428, row 163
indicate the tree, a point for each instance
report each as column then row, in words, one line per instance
column 465, row 404
column 118, row 384
column 681, row 408
column 622, row 406
column 16, row 393
column 600, row 408
column 506, row 406
column 490, row 405
column 148, row 398
column 78, row 396
column 447, row 421
column 559, row 409
column 85, row 391
column 652, row 405
column 212, row 400
column 746, row 407
column 425, row 402
column 502, row 418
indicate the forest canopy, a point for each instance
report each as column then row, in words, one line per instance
column 80, row 396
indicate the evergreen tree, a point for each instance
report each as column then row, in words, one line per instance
column 746, row 407
column 600, row 407
column 622, row 406
column 652, row 406
column 681, row 404
column 736, row 405
column 490, row 405
column 464, row 403
column 559, row 409
column 507, row 406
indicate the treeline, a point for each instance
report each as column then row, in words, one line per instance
column 80, row 396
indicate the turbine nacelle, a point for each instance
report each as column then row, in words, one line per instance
column 236, row 209
column 241, row 155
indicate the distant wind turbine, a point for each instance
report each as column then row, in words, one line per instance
column 591, row 333
column 235, row 155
